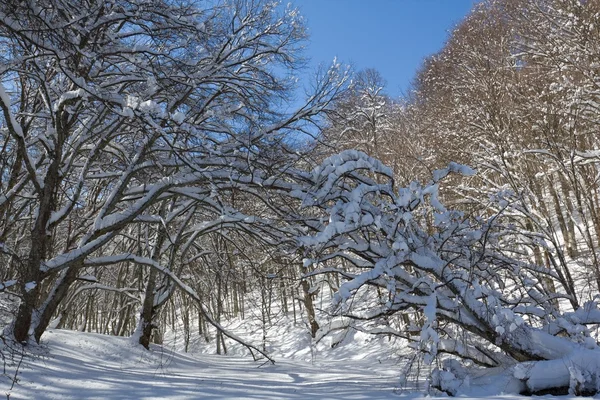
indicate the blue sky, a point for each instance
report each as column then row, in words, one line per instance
column 392, row 36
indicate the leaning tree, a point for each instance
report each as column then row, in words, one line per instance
column 461, row 279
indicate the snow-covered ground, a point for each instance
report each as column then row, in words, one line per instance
column 74, row 365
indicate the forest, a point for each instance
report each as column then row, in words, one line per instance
column 159, row 174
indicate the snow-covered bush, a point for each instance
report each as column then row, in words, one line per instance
column 457, row 279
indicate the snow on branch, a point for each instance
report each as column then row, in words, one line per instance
column 453, row 269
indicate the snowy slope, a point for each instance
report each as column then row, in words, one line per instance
column 285, row 339
column 74, row 365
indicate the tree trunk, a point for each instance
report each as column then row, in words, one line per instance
column 32, row 276
column 567, row 233
column 567, row 201
column 56, row 296
column 310, row 309
column 29, row 286
column 148, row 311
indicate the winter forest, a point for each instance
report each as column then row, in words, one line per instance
column 160, row 178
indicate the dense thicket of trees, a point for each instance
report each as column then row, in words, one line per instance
column 513, row 94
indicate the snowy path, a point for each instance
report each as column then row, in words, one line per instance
column 74, row 365
column 88, row 366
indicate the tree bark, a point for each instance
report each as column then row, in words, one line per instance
column 148, row 312
column 56, row 296
column 310, row 309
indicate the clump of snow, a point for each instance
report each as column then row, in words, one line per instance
column 178, row 117
column 150, row 107
column 29, row 286
column 7, row 284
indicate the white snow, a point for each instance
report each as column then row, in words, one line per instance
column 72, row 94
column 7, row 284
column 5, row 99
column 178, row 117
column 73, row 365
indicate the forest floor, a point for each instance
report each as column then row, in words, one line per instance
column 74, row 365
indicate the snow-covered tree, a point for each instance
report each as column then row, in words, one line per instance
column 459, row 276
column 361, row 118
column 129, row 113
column 512, row 94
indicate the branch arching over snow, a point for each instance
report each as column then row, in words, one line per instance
column 118, row 258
